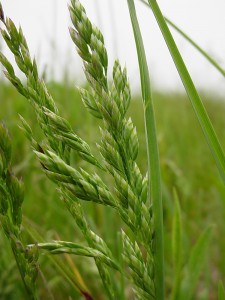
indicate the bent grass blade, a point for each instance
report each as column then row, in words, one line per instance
column 191, row 91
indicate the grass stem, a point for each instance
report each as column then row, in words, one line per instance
column 153, row 156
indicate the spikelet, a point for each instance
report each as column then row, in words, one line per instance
column 11, row 200
column 144, row 283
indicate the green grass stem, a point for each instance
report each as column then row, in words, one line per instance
column 153, row 156
column 191, row 91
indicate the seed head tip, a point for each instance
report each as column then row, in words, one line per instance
column 2, row 17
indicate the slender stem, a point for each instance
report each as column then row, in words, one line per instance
column 153, row 157
column 191, row 91
column 192, row 42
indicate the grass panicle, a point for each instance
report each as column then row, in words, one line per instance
column 47, row 114
column 11, row 200
column 58, row 131
column 119, row 144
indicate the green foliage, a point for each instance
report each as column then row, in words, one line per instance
column 177, row 248
column 195, row 264
column 188, row 175
column 221, row 291
column 119, row 145
column 184, row 286
column 97, row 189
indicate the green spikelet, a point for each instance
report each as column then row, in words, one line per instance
column 144, row 284
column 11, row 200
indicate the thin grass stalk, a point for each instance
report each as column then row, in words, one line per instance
column 193, row 43
column 191, row 91
column 153, row 157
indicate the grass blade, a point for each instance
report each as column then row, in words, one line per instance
column 193, row 43
column 195, row 264
column 196, row 46
column 177, row 248
column 191, row 91
column 221, row 291
column 153, row 157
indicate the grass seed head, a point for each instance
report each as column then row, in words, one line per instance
column 2, row 17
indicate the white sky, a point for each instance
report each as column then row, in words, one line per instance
column 45, row 24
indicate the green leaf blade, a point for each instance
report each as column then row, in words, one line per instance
column 195, row 264
column 154, row 186
column 177, row 248
column 221, row 291
column 191, row 91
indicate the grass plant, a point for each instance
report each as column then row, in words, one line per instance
column 109, row 177
column 191, row 91
column 11, row 199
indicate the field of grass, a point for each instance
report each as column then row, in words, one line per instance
column 186, row 165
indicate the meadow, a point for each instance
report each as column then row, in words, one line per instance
column 186, row 165
column 126, row 205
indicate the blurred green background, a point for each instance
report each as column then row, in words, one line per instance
column 186, row 164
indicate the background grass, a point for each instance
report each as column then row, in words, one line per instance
column 186, row 164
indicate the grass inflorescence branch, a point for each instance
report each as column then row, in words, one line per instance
column 11, row 200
